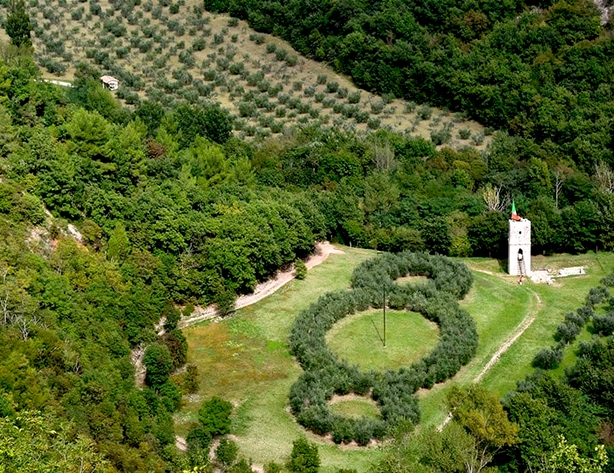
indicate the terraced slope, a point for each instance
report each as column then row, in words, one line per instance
column 177, row 51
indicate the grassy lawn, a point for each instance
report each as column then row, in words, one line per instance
column 498, row 304
column 354, row 406
column 359, row 339
column 245, row 358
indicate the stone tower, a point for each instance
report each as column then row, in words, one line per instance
column 519, row 246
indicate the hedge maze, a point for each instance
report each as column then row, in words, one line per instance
column 393, row 390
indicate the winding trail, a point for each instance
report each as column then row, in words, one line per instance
column 518, row 331
column 516, row 334
column 323, row 251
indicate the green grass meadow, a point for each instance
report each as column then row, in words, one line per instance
column 245, row 358
column 354, row 407
column 359, row 339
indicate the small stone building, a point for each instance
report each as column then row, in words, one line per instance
column 110, row 82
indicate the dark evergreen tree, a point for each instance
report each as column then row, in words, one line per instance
column 17, row 24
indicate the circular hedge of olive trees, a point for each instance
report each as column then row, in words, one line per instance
column 393, row 390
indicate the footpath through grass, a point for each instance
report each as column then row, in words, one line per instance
column 245, row 358
column 498, row 305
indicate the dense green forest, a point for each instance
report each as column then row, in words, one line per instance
column 542, row 69
column 170, row 209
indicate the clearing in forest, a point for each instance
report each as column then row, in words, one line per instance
column 359, row 338
column 245, row 358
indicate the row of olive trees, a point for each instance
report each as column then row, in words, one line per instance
column 326, row 375
column 567, row 332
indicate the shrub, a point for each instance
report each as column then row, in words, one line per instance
column 199, row 44
column 304, row 457
column 191, row 379
column 232, row 22
column 464, row 133
column 604, row 325
column 185, row 57
column 342, row 93
column 585, row 312
column 277, row 126
column 53, row 66
column 281, row 54
column 214, row 415
column 596, row 295
column 361, row 117
column 226, row 452
column 377, row 107
column 322, row 78
column 271, row 48
column 354, row 97
column 567, row 332
column 477, row 138
column 548, row 358
column 328, row 102
column 77, row 14
column 388, row 98
column 300, row 270
column 343, row 431
column 374, row 123
column 441, row 137
column 332, row 87
column 272, row 468
column 410, row 107
column 256, row 38
column 425, row 112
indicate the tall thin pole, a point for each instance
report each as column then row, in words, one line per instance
column 384, row 316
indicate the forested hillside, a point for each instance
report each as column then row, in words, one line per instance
column 159, row 222
column 542, row 70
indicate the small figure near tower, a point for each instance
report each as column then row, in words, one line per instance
column 519, row 246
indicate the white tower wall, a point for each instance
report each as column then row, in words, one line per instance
column 519, row 242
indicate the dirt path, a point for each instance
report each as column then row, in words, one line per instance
column 323, row 251
column 516, row 334
column 520, row 329
column 181, row 443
